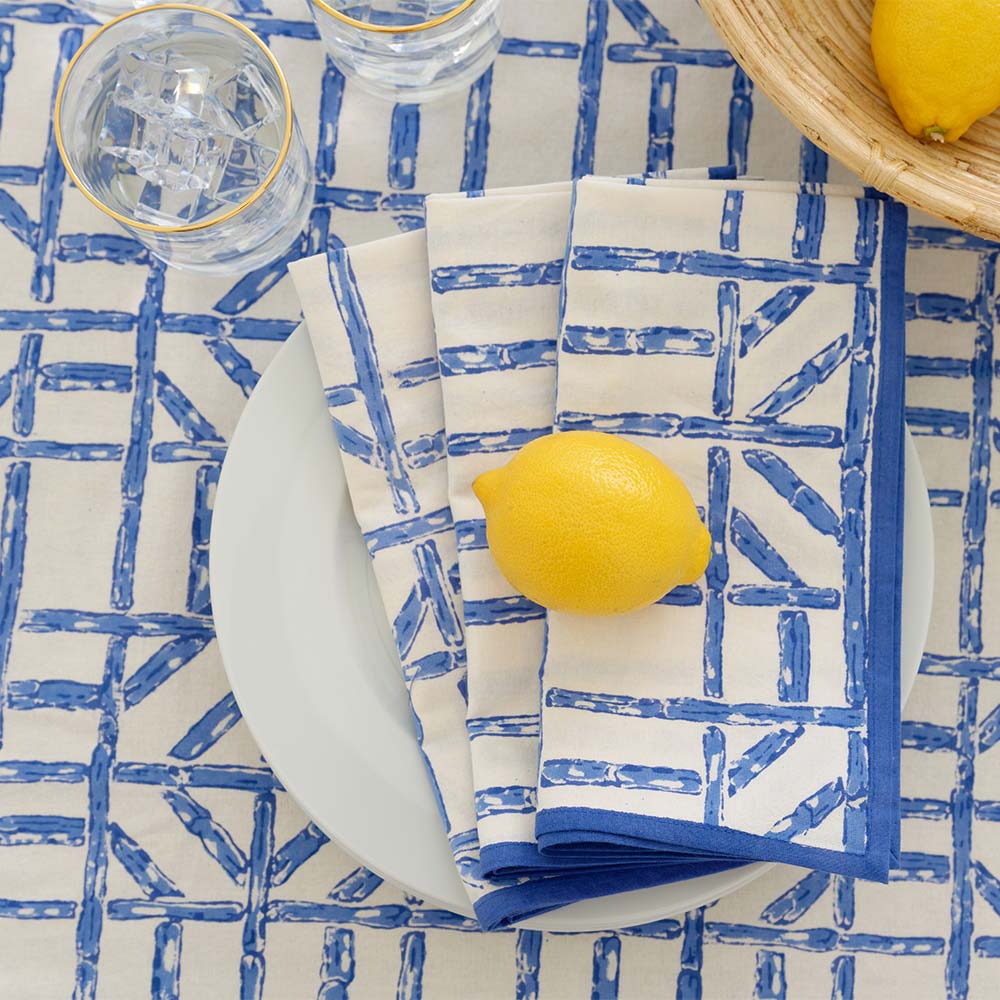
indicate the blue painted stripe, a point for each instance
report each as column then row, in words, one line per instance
column 404, row 532
column 412, row 955
column 72, row 376
column 208, row 730
column 527, row 962
column 717, row 572
column 463, row 277
column 940, row 307
column 740, row 120
column 214, row 837
column 729, row 230
column 794, row 656
column 145, row 872
column 800, row 386
column 714, row 749
column 61, row 831
column 337, row 967
column 165, row 981
column 606, row 969
column 355, row 887
column 728, row 308
column 769, row 976
column 644, row 23
column 161, row 666
column 232, row 776
column 801, row 497
column 295, row 852
column 494, row 441
column 474, row 359
column 606, row 774
column 60, row 451
column 631, row 53
column 917, row 866
column 477, row 134
column 502, row 611
column 752, row 543
column 712, row 264
column 52, row 184
column 25, row 382
column 330, row 101
column 64, row 695
column 252, row 963
column 665, row 425
column 662, row 102
column 539, row 50
column 927, row 736
column 780, row 595
column 360, row 335
column 504, row 799
column 194, row 425
column 794, row 903
column 622, row 340
column 589, row 84
column 761, row 755
column 980, row 452
column 775, row 310
column 503, row 725
column 927, row 421
column 810, row 218
column 133, row 479
column 704, row 710
column 471, row 535
column 810, row 812
column 404, row 137
column 13, row 541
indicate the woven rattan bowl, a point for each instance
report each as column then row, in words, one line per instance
column 813, row 59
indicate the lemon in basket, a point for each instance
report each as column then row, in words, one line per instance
column 590, row 523
column 938, row 61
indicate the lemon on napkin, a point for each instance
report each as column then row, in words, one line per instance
column 590, row 523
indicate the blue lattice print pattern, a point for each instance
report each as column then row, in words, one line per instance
column 496, row 267
column 92, row 338
column 761, row 705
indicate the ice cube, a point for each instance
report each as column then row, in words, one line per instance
column 245, row 169
column 119, row 130
column 175, row 161
column 249, row 102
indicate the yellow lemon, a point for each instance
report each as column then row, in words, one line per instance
column 938, row 61
column 591, row 523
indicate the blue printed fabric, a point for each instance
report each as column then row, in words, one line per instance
column 146, row 849
column 369, row 318
column 496, row 266
column 752, row 339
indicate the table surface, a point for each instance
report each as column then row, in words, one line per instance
column 145, row 847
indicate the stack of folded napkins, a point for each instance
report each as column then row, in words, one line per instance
column 750, row 334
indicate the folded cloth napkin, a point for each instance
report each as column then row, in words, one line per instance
column 369, row 318
column 753, row 339
column 496, row 263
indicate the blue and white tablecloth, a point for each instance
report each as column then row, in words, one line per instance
column 145, row 847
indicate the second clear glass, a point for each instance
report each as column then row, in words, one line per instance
column 410, row 50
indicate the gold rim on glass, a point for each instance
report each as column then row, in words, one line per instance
column 191, row 227
column 392, row 29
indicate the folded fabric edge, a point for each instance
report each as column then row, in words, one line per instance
column 575, row 824
column 506, row 906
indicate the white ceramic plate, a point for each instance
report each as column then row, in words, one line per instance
column 311, row 661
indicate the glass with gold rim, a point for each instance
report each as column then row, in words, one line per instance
column 104, row 10
column 177, row 122
column 410, row 50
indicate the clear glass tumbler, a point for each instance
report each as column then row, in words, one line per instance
column 104, row 10
column 410, row 50
column 177, row 122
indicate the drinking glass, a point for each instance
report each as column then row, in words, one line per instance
column 410, row 50
column 104, row 10
column 177, row 122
